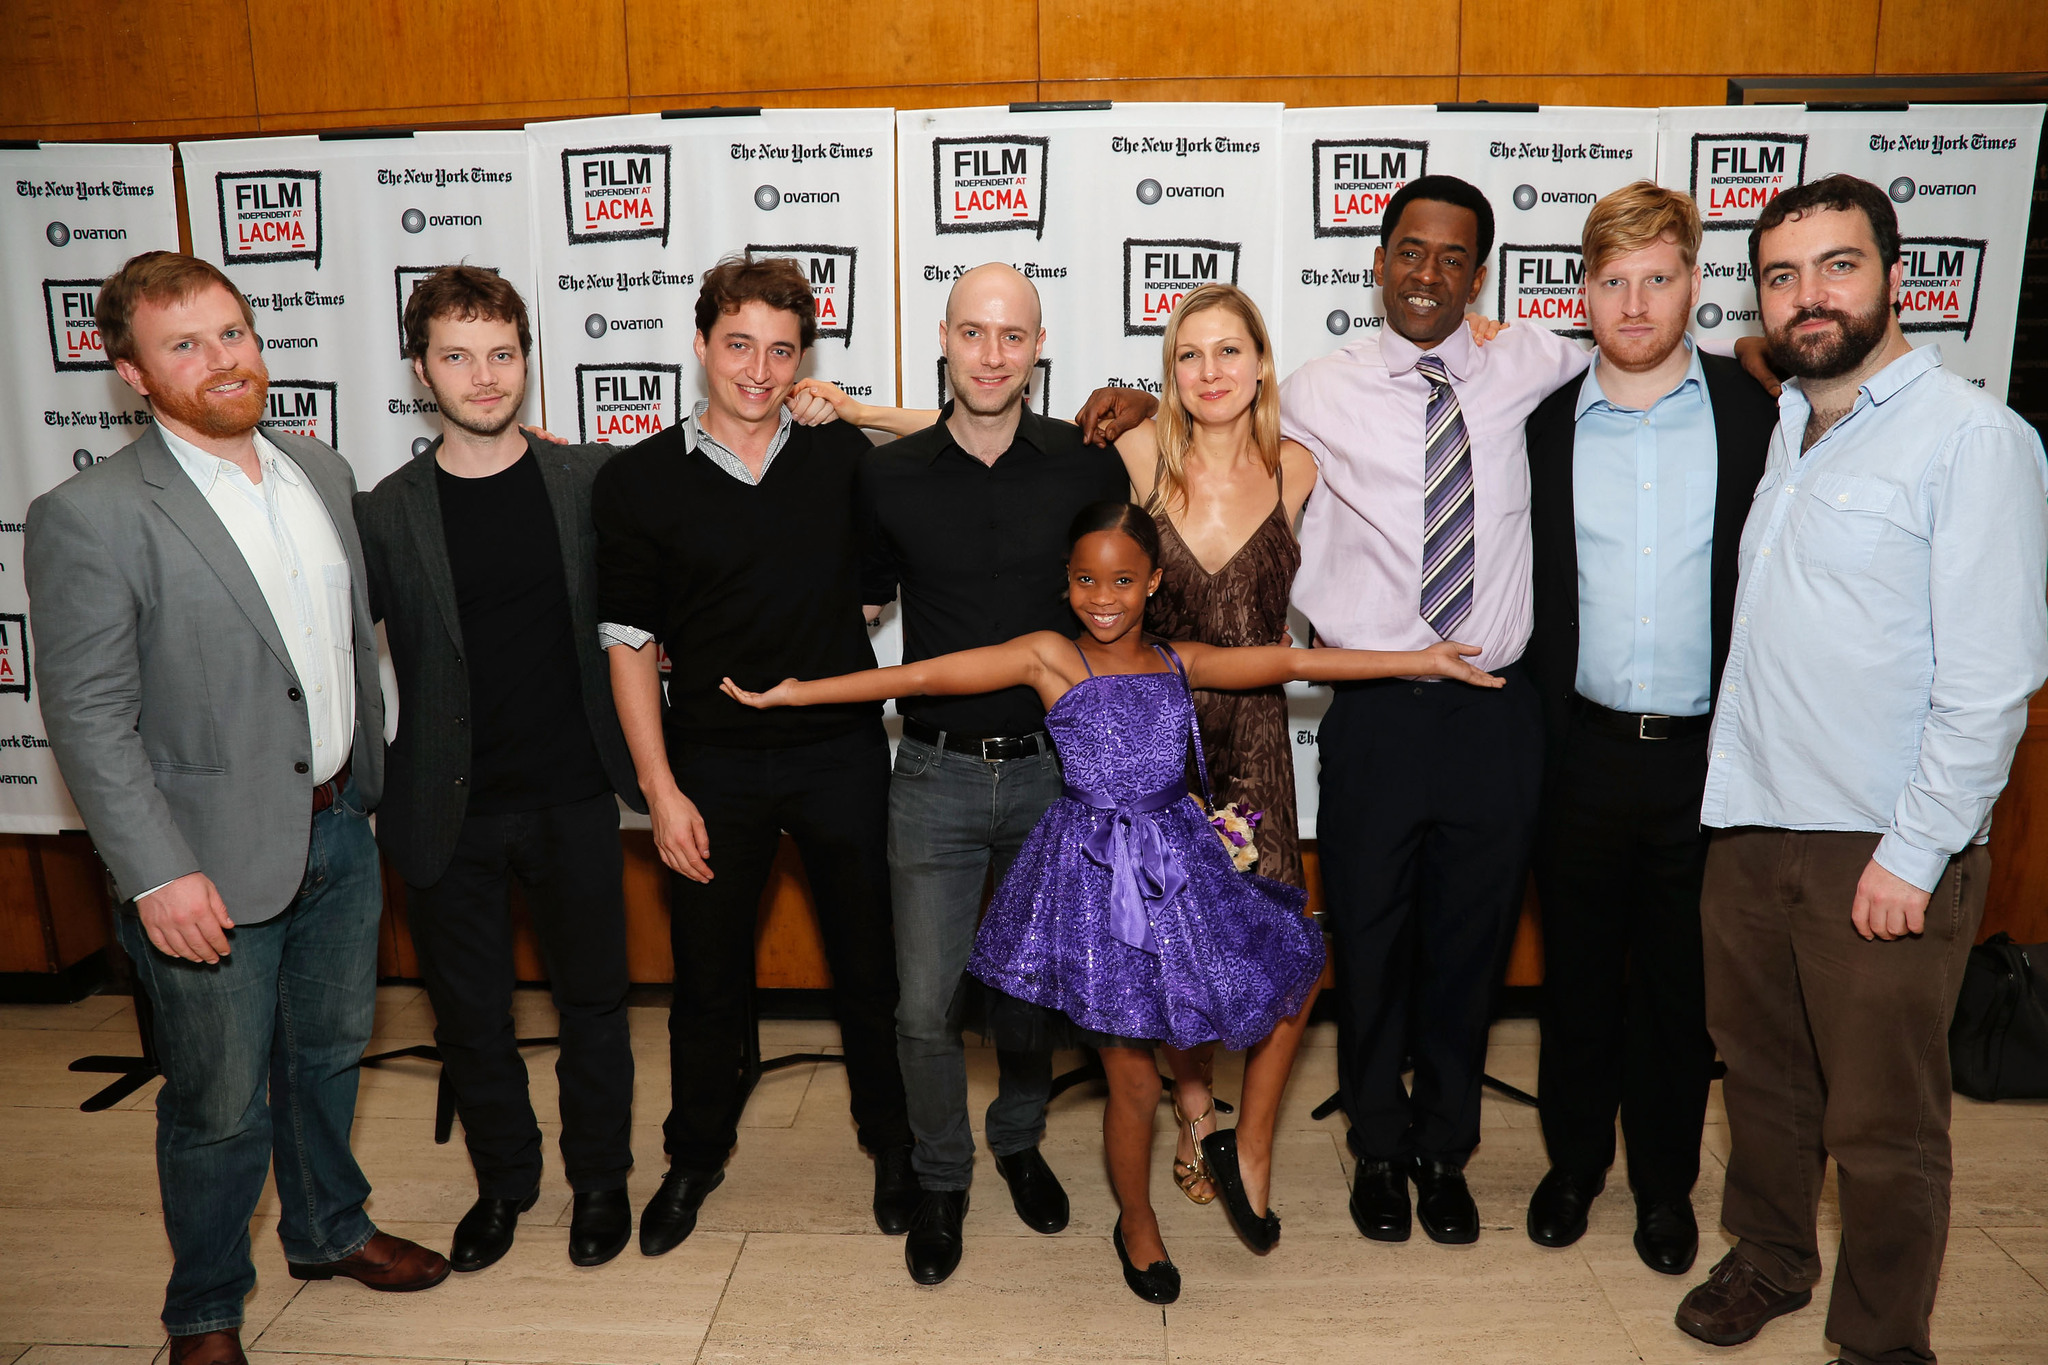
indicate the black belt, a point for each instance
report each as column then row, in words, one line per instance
column 987, row 750
column 1637, row 725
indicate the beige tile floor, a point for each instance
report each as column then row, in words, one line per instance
column 787, row 1264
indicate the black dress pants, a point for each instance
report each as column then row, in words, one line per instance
column 833, row 799
column 1619, row 864
column 568, row 860
column 1428, row 808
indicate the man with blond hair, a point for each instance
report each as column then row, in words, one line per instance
column 1641, row 473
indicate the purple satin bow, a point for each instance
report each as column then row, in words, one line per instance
column 1141, row 866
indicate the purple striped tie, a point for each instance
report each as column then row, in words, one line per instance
column 1446, row 505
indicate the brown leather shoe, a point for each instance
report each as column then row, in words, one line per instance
column 1735, row 1303
column 209, row 1348
column 389, row 1263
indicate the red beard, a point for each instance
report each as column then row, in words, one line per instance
column 216, row 415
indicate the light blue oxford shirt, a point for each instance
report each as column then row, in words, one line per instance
column 1643, row 514
column 1891, row 623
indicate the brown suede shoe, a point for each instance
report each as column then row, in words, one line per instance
column 389, row 1263
column 1735, row 1303
column 209, row 1348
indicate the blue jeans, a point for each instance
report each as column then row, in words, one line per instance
column 259, row 1057
column 952, row 818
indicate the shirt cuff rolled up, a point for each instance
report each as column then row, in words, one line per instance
column 1922, row 867
column 611, row 633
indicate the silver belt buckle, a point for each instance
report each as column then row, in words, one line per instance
column 1642, row 727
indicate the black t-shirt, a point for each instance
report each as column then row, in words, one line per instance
column 979, row 551
column 759, row 582
column 530, row 744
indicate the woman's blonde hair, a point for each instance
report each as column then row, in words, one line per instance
column 1175, row 431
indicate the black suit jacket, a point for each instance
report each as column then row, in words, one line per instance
column 1744, row 417
column 412, row 590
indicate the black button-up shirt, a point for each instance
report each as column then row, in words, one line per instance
column 979, row 551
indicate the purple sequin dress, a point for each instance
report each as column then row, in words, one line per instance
column 1123, row 911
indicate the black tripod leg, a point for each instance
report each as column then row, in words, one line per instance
column 133, row 1072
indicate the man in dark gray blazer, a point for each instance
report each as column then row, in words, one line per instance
column 481, row 557
column 211, row 695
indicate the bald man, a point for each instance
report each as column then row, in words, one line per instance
column 966, row 517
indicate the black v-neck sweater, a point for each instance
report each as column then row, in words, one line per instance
column 753, row 582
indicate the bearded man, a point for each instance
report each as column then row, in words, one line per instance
column 210, row 687
column 1890, row 626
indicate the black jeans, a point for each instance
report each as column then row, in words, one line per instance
column 1618, row 865
column 1428, row 809
column 833, row 799
column 568, row 860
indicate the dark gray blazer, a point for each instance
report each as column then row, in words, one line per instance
column 172, row 707
column 412, row 590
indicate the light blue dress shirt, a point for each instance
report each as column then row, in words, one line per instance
column 1643, row 512
column 1891, row 623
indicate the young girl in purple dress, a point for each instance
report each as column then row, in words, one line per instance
column 1124, row 911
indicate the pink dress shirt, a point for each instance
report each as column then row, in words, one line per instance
column 1360, row 413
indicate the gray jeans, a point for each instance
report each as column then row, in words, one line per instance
column 953, row 817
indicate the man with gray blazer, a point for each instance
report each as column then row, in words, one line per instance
column 482, row 567
column 212, row 700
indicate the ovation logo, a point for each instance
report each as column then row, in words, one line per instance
column 616, row 194
column 14, row 669
column 1545, row 285
column 627, row 402
column 989, row 184
column 1939, row 292
column 830, row 271
column 1735, row 174
column 1159, row 274
column 1037, row 389
column 269, row 216
column 303, row 407
column 406, row 278
column 74, row 335
column 1353, row 179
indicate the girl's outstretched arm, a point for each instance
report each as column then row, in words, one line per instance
column 1014, row 663
column 1235, row 670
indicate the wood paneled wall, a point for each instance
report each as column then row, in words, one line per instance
column 134, row 69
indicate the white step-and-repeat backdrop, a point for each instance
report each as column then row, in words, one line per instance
column 607, row 226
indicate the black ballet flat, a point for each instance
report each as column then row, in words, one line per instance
column 1156, row 1283
column 1260, row 1232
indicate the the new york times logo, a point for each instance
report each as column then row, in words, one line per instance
column 1939, row 292
column 830, row 271
column 268, row 216
column 1735, row 174
column 1544, row 285
column 1355, row 177
column 407, row 278
column 616, row 194
column 989, row 184
column 74, row 336
column 14, row 669
column 1037, row 388
column 1159, row 274
column 303, row 407
column 627, row 402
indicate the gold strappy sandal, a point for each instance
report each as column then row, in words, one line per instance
column 1188, row 1174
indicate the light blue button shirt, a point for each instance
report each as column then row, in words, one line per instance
column 1891, row 623
column 1643, row 511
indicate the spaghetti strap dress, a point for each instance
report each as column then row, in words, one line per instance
column 1123, row 911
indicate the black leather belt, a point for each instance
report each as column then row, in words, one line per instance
column 987, row 750
column 1638, row 725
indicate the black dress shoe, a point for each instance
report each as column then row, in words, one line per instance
column 1379, row 1200
column 1035, row 1191
column 1667, row 1235
column 896, row 1191
column 1557, row 1211
column 600, row 1226
column 1156, row 1283
column 485, row 1232
column 1260, row 1231
column 672, row 1214
column 1443, row 1203
column 932, row 1250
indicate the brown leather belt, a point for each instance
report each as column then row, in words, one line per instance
column 328, row 792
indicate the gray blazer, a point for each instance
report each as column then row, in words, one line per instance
column 171, row 704
column 412, row 590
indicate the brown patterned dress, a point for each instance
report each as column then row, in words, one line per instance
column 1244, row 734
